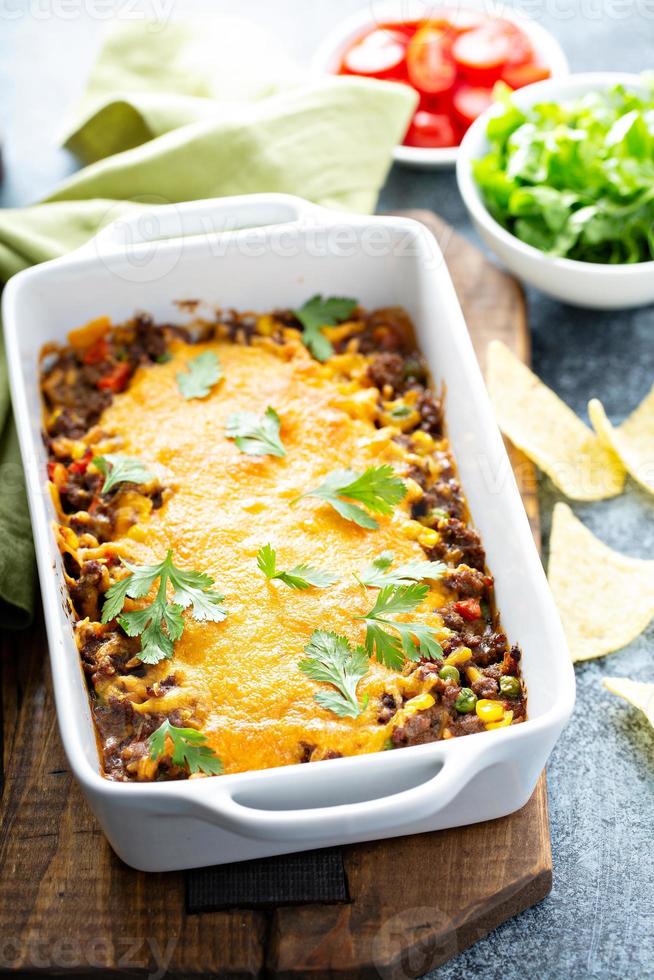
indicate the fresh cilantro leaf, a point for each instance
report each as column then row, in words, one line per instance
column 377, row 488
column 204, row 371
column 415, row 639
column 317, row 313
column 256, row 436
column 189, row 749
column 117, row 468
column 377, row 575
column 331, row 659
column 300, row 577
column 161, row 623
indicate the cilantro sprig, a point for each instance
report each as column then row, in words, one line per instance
column 117, row 468
column 415, row 639
column 317, row 313
column 377, row 488
column 160, row 624
column 204, row 371
column 254, row 435
column 379, row 573
column 299, row 577
column 189, row 749
column 331, row 659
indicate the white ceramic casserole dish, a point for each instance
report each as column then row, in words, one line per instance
column 296, row 250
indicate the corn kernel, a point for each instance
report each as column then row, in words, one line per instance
column 413, row 490
column 137, row 533
column 420, row 703
column 422, row 441
column 266, row 325
column 504, row 723
column 473, row 674
column 412, row 529
column 428, row 538
column 459, row 656
column 489, row 711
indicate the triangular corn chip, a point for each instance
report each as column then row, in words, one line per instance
column 633, row 441
column 605, row 599
column 638, row 693
column 548, row 432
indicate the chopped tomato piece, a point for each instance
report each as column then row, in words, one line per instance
column 481, row 54
column 429, row 129
column 429, row 66
column 116, row 379
column 81, row 465
column 380, row 54
column 469, row 102
column 518, row 75
column 97, row 352
column 468, row 609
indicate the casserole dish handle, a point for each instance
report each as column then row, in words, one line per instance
column 163, row 222
column 456, row 764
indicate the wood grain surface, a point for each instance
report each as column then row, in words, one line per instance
column 68, row 905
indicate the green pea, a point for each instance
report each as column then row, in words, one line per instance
column 466, row 701
column 509, row 686
column 448, row 673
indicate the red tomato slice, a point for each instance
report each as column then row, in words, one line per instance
column 458, row 21
column 520, row 45
column 429, row 129
column 380, row 53
column 518, row 75
column 481, row 54
column 429, row 66
column 469, row 102
column 405, row 27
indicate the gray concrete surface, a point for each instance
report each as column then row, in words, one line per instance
column 599, row 920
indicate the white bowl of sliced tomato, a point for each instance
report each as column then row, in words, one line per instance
column 452, row 55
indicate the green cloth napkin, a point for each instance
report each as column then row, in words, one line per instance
column 183, row 112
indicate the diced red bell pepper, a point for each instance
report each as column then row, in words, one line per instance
column 468, row 609
column 117, row 378
column 97, row 352
column 81, row 465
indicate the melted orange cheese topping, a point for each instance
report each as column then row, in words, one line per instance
column 239, row 679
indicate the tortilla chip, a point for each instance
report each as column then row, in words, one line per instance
column 638, row 693
column 633, row 441
column 548, row 432
column 605, row 599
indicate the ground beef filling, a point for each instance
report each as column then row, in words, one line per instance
column 80, row 382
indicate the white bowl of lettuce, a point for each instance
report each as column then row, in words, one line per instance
column 558, row 178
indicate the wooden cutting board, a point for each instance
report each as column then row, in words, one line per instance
column 67, row 904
